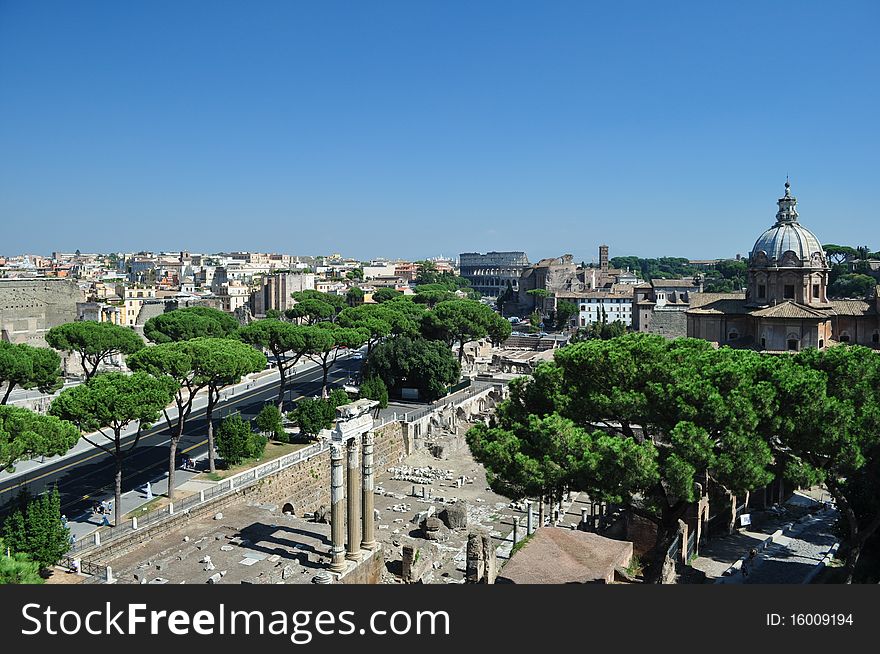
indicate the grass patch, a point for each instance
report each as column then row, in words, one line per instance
column 159, row 502
column 635, row 567
column 516, row 548
column 274, row 450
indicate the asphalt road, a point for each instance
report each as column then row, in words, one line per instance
column 91, row 472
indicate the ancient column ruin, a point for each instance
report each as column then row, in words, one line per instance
column 354, row 519
column 368, row 538
column 337, row 510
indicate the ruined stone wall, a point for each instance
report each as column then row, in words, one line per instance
column 306, row 485
column 30, row 307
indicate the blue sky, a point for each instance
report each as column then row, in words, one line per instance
column 424, row 128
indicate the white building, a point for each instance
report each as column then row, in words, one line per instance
column 616, row 306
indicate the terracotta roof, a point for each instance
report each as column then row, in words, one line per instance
column 700, row 299
column 852, row 308
column 689, row 283
column 790, row 309
column 721, row 306
column 565, row 556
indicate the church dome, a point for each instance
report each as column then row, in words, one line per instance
column 787, row 243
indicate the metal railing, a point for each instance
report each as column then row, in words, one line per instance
column 224, row 487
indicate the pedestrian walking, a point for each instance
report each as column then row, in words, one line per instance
column 749, row 562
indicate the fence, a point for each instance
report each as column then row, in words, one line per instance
column 224, row 487
column 243, row 480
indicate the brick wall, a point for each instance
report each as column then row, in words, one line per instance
column 307, row 485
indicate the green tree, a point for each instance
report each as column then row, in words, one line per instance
column 565, row 311
column 18, row 567
column 375, row 319
column 93, row 342
column 829, row 430
column 403, row 362
column 313, row 414
column 373, row 388
column 839, row 253
column 112, row 402
column 28, row 367
column 385, row 294
column 236, row 441
column 25, row 434
column 636, row 421
column 35, row 528
column 463, row 321
column 188, row 323
column 338, row 397
column 534, row 322
column 314, row 306
column 852, row 286
column 354, row 297
column 431, row 296
column 268, row 422
column 222, row 362
column 323, row 342
column 176, row 361
column 279, row 338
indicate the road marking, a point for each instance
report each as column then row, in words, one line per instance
column 151, row 432
column 157, row 430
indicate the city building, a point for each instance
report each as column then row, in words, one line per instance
column 659, row 306
column 31, row 307
column 275, row 291
column 491, row 272
column 605, row 306
column 786, row 306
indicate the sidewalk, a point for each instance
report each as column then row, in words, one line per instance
column 250, row 382
column 788, row 551
column 86, row 523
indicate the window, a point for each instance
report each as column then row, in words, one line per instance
column 875, row 338
column 788, row 292
column 762, row 291
column 732, row 336
column 815, row 291
column 763, row 343
column 821, row 343
column 844, row 337
column 792, row 344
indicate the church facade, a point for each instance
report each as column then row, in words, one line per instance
column 786, row 305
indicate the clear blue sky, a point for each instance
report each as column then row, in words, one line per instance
column 423, row 128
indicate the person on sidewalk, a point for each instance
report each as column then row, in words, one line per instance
column 749, row 562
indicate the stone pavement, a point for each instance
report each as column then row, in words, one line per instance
column 792, row 562
column 787, row 555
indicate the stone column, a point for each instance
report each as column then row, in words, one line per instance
column 530, row 527
column 368, row 539
column 354, row 519
column 337, row 510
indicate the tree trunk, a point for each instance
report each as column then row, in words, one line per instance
column 8, row 392
column 666, row 535
column 852, row 523
column 117, row 493
column 172, row 456
column 325, row 367
column 209, row 416
column 282, row 372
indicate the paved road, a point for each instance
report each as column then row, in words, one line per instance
column 88, row 474
column 791, row 561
